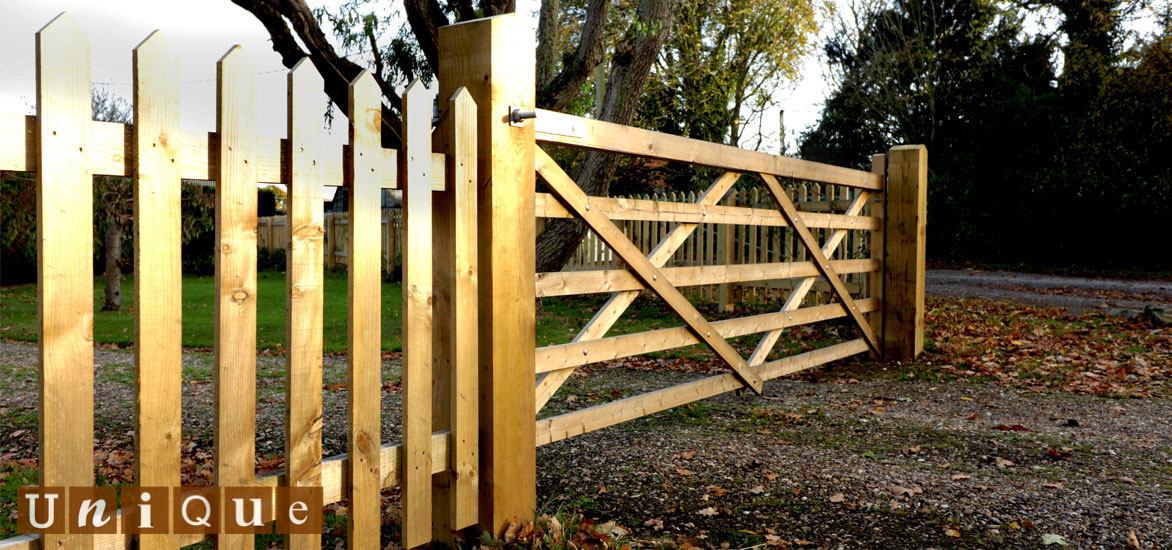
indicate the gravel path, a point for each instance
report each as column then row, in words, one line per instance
column 885, row 462
column 1074, row 293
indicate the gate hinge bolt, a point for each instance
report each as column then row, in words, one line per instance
column 517, row 116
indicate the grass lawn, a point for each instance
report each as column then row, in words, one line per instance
column 559, row 320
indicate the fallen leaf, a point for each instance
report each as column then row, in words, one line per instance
column 961, row 477
column 757, row 490
column 837, row 498
column 1051, row 538
column 717, row 491
column 684, row 472
column 1053, row 485
column 771, row 476
column 912, row 450
column 952, row 532
column 655, row 524
column 1013, row 428
column 1060, row 453
column 601, row 489
column 1002, row 463
column 709, row 511
column 1132, row 540
column 905, row 491
column 975, row 416
column 687, row 456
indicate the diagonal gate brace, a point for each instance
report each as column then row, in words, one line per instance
column 578, row 202
column 790, row 213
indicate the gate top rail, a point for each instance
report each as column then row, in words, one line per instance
column 575, row 131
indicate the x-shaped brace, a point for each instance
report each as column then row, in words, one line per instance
column 577, row 202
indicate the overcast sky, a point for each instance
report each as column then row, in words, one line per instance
column 202, row 31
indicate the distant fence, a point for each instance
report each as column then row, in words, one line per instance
column 272, row 233
column 725, row 244
column 711, row 244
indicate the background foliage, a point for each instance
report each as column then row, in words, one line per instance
column 1044, row 149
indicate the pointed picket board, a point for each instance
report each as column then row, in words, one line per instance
column 65, row 273
column 304, row 290
column 158, row 288
column 235, row 332
column 364, row 382
column 417, row 314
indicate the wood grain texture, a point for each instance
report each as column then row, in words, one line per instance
column 605, row 136
column 613, row 309
column 417, row 315
column 906, row 232
column 65, row 273
column 577, row 201
column 364, row 381
column 158, row 288
column 235, row 330
column 304, row 288
column 494, row 59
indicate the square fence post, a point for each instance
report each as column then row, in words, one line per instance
column 494, row 59
column 906, row 223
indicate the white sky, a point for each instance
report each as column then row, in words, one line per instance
column 203, row 30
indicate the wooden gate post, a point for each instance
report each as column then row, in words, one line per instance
column 906, row 234
column 494, row 59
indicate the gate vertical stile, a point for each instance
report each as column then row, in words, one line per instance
column 494, row 59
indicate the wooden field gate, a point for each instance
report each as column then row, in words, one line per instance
column 468, row 452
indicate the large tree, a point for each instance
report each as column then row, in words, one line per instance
column 115, row 202
column 399, row 54
column 1021, row 146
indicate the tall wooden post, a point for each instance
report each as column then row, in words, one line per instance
column 494, row 59
column 906, row 224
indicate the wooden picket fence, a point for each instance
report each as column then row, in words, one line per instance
column 470, row 214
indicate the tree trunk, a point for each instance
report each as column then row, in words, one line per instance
column 113, row 250
column 633, row 59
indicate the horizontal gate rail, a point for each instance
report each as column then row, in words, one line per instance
column 597, row 417
column 554, row 127
column 686, row 212
column 570, row 283
column 576, row 354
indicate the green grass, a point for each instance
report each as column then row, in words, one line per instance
column 18, row 313
column 560, row 318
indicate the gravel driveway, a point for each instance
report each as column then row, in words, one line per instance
column 1074, row 293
